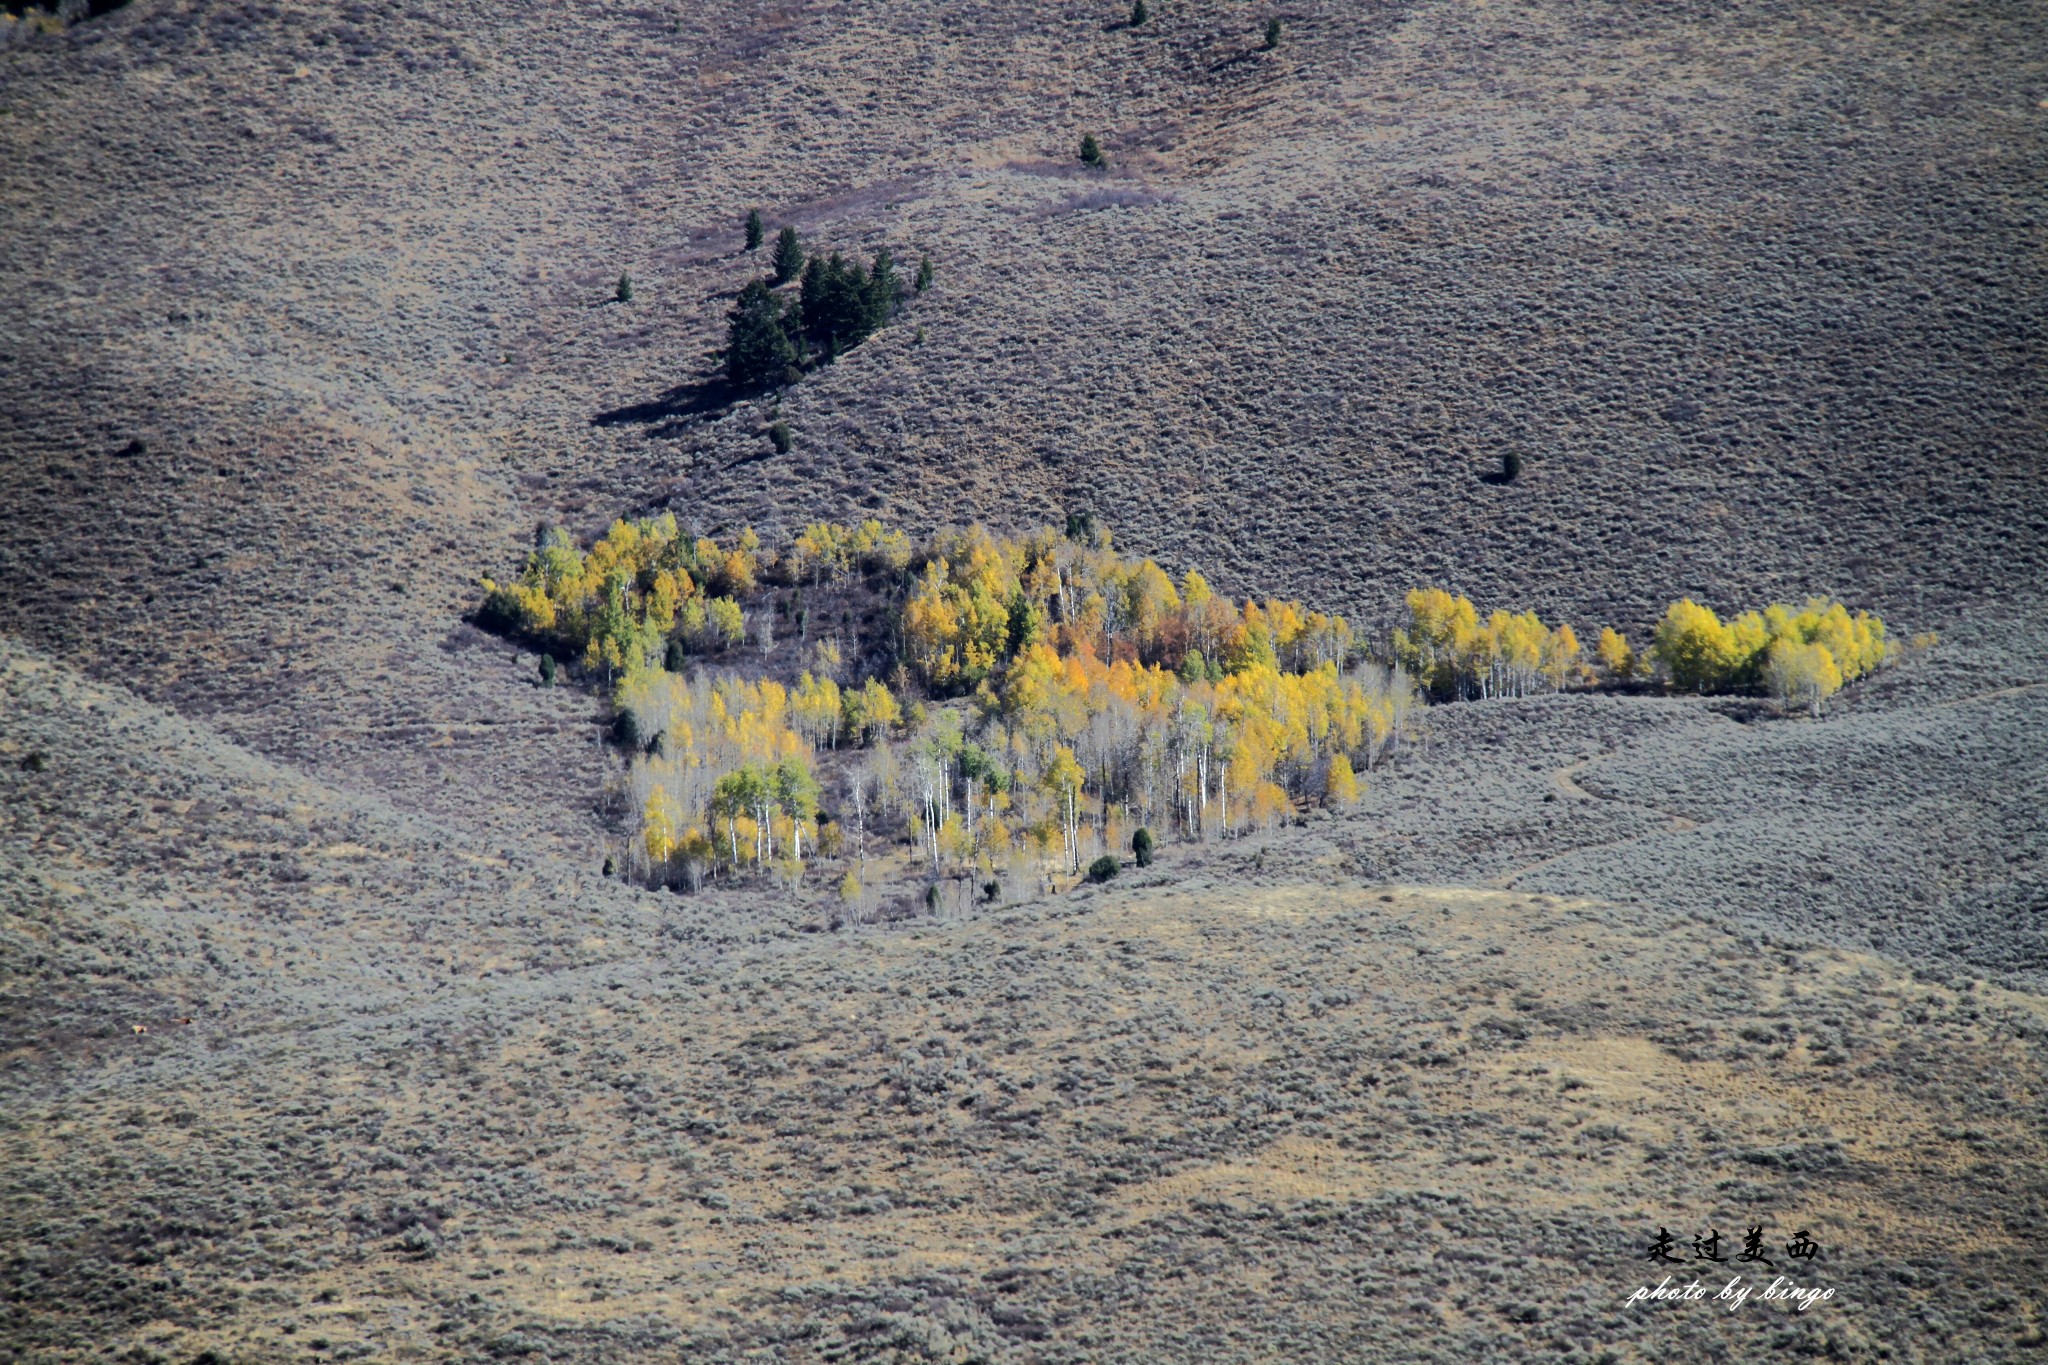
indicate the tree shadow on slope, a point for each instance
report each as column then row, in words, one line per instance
column 674, row 411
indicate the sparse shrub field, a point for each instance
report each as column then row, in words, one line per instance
column 703, row 962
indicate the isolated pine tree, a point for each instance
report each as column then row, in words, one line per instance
column 1139, row 14
column 624, row 292
column 1091, row 150
column 925, row 271
column 1272, row 33
column 789, row 256
column 754, row 230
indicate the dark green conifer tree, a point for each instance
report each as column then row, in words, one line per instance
column 843, row 304
column 789, row 256
column 883, row 291
column 759, row 344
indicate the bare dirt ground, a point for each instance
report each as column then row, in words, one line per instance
column 303, row 313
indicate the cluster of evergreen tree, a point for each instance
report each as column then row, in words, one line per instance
column 771, row 337
column 843, row 304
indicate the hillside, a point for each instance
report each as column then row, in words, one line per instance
column 308, row 316
column 414, row 1101
column 1749, row 288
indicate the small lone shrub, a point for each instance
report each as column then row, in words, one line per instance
column 1091, row 150
column 610, row 868
column 1103, row 868
column 675, row 656
column 991, row 889
column 1139, row 14
column 547, row 670
column 1141, row 847
column 626, row 729
column 931, row 898
column 925, row 271
column 778, row 436
column 1510, row 467
column 624, row 292
column 754, row 230
column 1272, row 34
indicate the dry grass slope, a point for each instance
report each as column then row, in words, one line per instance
column 430, row 1102
column 305, row 314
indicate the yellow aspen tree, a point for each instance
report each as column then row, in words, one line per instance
column 1561, row 654
column 1340, row 784
column 1615, row 655
column 1694, row 645
column 1063, row 779
column 1802, row 674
